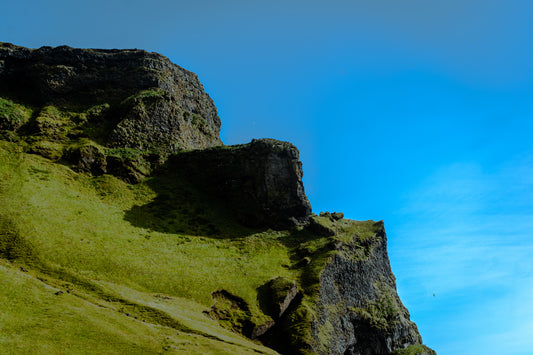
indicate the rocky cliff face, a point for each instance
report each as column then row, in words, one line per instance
column 131, row 114
column 358, row 309
column 261, row 181
column 145, row 101
column 349, row 304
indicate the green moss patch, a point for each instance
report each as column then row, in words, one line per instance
column 12, row 115
column 383, row 312
column 138, row 97
column 417, row 349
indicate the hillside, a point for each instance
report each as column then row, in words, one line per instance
column 126, row 226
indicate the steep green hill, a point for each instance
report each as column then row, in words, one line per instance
column 108, row 248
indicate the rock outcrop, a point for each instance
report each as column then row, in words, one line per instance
column 131, row 113
column 277, row 295
column 150, row 103
column 260, row 181
column 358, row 310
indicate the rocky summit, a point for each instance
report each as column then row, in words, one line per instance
column 127, row 227
column 144, row 101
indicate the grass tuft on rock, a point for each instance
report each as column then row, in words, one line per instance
column 417, row 349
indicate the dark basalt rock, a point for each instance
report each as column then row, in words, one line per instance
column 337, row 216
column 155, row 105
column 260, row 181
column 358, row 309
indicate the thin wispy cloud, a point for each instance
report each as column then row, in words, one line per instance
column 462, row 244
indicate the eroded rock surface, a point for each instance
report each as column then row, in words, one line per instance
column 277, row 295
column 358, row 310
column 261, row 181
column 154, row 105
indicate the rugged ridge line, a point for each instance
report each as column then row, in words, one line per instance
column 149, row 102
column 134, row 114
column 358, row 308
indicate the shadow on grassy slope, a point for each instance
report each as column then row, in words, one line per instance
column 180, row 208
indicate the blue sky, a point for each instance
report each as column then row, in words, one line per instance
column 414, row 112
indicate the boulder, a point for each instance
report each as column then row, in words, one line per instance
column 277, row 295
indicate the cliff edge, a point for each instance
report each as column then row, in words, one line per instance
column 139, row 100
column 118, row 195
column 261, row 182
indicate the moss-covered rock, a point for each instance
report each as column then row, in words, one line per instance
column 276, row 296
column 322, row 225
column 12, row 116
column 234, row 313
column 417, row 349
column 48, row 149
column 145, row 101
column 88, row 158
column 357, row 308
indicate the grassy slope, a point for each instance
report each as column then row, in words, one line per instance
column 69, row 231
column 139, row 262
column 36, row 320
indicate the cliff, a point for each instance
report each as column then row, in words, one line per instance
column 139, row 100
column 127, row 226
column 365, row 314
column 260, row 181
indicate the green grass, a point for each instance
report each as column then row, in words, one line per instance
column 36, row 319
column 156, row 250
column 78, row 223
column 415, row 350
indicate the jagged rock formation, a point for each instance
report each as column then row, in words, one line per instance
column 134, row 114
column 147, row 102
column 261, row 181
column 358, row 309
column 350, row 304
column 277, row 295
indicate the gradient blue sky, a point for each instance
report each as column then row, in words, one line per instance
column 415, row 112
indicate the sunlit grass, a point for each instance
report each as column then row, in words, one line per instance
column 37, row 320
column 119, row 245
column 76, row 222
